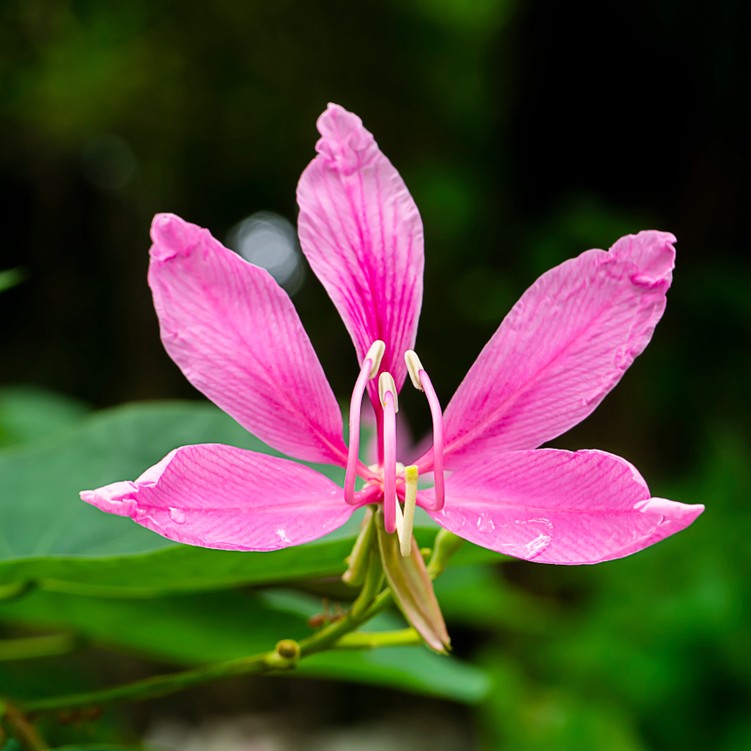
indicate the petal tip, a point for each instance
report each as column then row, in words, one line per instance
column 653, row 252
column 115, row 498
column 170, row 235
column 345, row 143
column 678, row 515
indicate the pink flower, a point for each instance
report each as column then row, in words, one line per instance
column 237, row 338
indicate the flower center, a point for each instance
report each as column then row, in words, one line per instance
column 390, row 480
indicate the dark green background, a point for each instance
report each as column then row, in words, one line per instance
column 527, row 132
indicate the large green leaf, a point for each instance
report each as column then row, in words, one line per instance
column 51, row 539
column 28, row 413
column 207, row 627
column 41, row 513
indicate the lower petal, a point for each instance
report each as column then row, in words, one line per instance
column 224, row 497
column 555, row 506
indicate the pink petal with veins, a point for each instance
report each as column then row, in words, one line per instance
column 561, row 349
column 237, row 338
column 362, row 234
column 224, row 497
column 555, row 506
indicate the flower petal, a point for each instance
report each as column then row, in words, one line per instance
column 238, row 339
column 362, row 234
column 561, row 349
column 224, row 497
column 555, row 506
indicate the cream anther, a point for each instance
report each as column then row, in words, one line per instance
column 386, row 384
column 375, row 355
column 414, row 366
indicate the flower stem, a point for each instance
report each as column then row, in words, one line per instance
column 405, row 637
column 364, row 608
column 445, row 545
column 21, row 729
column 159, row 685
column 285, row 656
column 359, row 558
column 37, row 646
column 12, row 590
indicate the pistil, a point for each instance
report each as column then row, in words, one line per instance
column 421, row 381
column 368, row 370
column 406, row 520
column 387, row 394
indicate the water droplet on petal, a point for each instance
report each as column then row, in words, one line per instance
column 456, row 517
column 176, row 515
column 485, row 523
column 282, row 535
column 541, row 542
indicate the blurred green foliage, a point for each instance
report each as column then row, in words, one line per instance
column 527, row 132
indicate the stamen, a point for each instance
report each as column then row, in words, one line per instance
column 422, row 382
column 414, row 366
column 386, row 385
column 387, row 392
column 369, row 368
column 375, row 355
column 405, row 521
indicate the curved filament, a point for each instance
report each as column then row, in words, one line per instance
column 437, row 417
column 369, row 368
column 421, row 381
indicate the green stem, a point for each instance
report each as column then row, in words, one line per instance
column 406, row 637
column 365, row 607
column 373, row 581
column 330, row 635
column 445, row 545
column 159, row 685
column 21, row 729
column 12, row 590
column 359, row 559
column 37, row 646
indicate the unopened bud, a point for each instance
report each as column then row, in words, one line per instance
column 289, row 649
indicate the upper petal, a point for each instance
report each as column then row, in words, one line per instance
column 561, row 349
column 238, row 339
column 362, row 234
column 224, row 497
column 559, row 507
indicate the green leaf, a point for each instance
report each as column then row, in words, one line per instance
column 412, row 669
column 208, row 627
column 188, row 629
column 478, row 596
column 49, row 538
column 43, row 508
column 28, row 413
